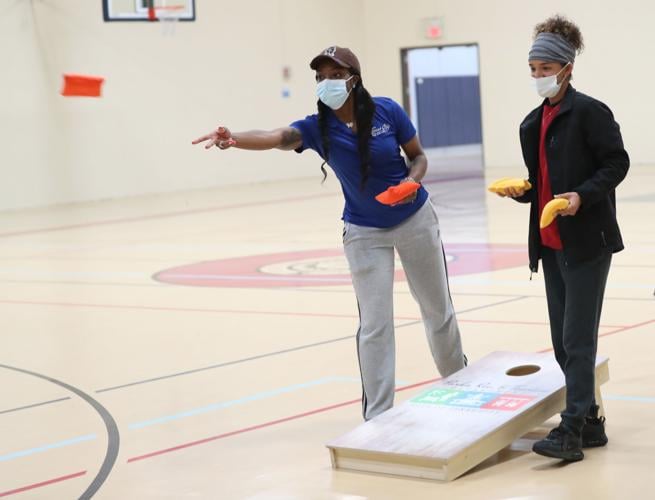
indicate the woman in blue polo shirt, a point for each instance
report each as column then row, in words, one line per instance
column 360, row 138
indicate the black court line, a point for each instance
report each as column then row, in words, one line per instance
column 477, row 308
column 113, row 436
column 35, row 405
column 228, row 363
column 260, row 356
column 293, row 349
column 277, row 353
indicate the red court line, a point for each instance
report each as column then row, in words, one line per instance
column 454, row 179
column 273, row 422
column 180, row 213
column 624, row 328
column 324, row 409
column 268, row 313
column 614, row 332
column 532, row 323
column 178, row 309
column 241, row 431
column 266, row 424
column 41, row 484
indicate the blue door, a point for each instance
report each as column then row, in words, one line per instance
column 449, row 110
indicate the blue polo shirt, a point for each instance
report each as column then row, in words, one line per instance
column 391, row 128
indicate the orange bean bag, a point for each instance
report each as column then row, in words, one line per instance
column 397, row 193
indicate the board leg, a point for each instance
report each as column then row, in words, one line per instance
column 599, row 402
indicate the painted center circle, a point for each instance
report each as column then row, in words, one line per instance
column 326, row 267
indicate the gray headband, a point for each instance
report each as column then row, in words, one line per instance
column 552, row 47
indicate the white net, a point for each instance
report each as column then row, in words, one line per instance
column 168, row 17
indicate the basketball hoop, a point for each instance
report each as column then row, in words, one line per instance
column 168, row 15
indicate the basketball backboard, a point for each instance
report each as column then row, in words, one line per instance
column 148, row 10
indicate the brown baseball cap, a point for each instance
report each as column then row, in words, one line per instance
column 340, row 55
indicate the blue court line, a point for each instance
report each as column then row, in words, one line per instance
column 247, row 399
column 630, row 398
column 292, row 388
column 227, row 404
column 52, row 446
column 196, row 411
column 234, row 402
column 189, row 413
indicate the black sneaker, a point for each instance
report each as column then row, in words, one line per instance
column 560, row 443
column 593, row 431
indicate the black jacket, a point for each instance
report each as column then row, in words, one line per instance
column 585, row 155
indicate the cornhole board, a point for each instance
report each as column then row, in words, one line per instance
column 461, row 420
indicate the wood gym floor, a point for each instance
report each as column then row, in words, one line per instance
column 201, row 345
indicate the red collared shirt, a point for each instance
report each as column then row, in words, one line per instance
column 550, row 234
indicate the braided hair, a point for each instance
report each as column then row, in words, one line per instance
column 364, row 111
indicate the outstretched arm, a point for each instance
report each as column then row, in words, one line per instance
column 285, row 138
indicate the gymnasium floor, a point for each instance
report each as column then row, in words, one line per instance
column 201, row 345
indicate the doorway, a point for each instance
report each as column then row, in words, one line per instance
column 441, row 92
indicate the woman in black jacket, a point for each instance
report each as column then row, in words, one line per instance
column 573, row 149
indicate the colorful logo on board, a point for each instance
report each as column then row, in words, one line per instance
column 473, row 399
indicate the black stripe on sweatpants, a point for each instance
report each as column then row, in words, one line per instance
column 445, row 266
column 359, row 362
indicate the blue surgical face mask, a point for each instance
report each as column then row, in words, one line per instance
column 333, row 93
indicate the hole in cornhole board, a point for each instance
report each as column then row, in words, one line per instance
column 522, row 370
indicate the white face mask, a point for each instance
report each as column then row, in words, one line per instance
column 547, row 86
column 333, row 93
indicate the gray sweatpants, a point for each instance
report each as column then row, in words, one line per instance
column 370, row 254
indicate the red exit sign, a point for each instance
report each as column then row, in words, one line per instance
column 433, row 27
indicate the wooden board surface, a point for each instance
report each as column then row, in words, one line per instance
column 460, row 420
